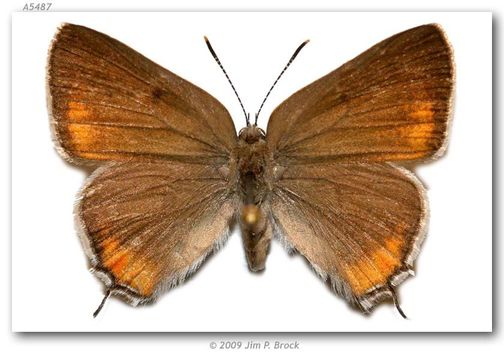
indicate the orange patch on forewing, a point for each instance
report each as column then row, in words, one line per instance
column 92, row 142
column 419, row 134
column 77, row 111
column 422, row 111
column 81, row 136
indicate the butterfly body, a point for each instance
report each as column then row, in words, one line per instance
column 254, row 184
column 326, row 178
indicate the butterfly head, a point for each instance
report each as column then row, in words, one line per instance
column 251, row 134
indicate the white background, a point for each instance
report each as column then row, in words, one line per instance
column 360, row 346
column 52, row 289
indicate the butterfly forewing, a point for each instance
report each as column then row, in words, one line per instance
column 391, row 103
column 110, row 102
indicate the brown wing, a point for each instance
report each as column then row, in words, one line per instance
column 148, row 225
column 109, row 102
column 391, row 103
column 359, row 225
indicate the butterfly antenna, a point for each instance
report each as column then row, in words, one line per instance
column 279, row 76
column 97, row 311
column 247, row 116
column 396, row 301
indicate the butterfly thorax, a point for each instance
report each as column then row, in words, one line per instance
column 252, row 166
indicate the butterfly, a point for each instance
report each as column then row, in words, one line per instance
column 329, row 177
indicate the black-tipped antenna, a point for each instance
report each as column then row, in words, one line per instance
column 279, row 76
column 97, row 311
column 247, row 116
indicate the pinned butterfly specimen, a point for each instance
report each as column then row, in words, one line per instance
column 172, row 175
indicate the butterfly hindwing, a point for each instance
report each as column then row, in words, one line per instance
column 147, row 225
column 359, row 225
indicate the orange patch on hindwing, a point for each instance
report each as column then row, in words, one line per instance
column 77, row 111
column 114, row 258
column 120, row 262
column 380, row 263
column 144, row 283
column 109, row 245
